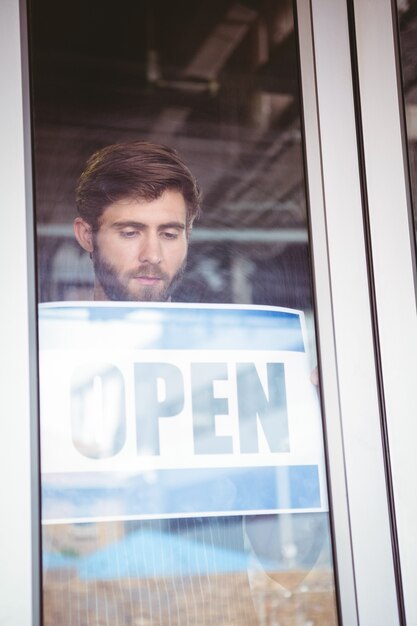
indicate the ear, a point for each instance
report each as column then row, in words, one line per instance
column 83, row 234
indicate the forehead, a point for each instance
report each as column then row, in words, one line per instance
column 169, row 207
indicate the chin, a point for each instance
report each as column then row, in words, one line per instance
column 146, row 296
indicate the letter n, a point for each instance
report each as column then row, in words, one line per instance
column 256, row 408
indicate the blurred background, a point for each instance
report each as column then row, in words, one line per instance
column 217, row 80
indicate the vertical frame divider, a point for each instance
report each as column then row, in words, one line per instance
column 19, row 539
column 355, row 453
column 394, row 267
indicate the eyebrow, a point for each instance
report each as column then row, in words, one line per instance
column 133, row 224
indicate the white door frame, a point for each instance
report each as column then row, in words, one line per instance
column 393, row 245
column 364, row 558
column 19, row 537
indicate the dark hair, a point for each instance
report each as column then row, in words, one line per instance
column 136, row 170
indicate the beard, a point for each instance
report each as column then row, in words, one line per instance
column 115, row 284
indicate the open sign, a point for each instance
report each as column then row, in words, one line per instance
column 188, row 397
column 159, row 400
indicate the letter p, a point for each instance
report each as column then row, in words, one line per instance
column 159, row 392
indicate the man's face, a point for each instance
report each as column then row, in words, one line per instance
column 140, row 249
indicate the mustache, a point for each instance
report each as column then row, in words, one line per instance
column 148, row 271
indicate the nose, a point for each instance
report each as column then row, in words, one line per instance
column 150, row 249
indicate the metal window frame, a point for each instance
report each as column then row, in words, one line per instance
column 392, row 242
column 343, row 284
column 19, row 537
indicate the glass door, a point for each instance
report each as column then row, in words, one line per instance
column 253, row 488
column 204, row 501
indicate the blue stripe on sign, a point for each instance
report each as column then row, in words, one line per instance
column 182, row 491
column 177, row 328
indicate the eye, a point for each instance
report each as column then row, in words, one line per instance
column 170, row 235
column 128, row 234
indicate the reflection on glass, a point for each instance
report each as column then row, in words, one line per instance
column 218, row 82
column 407, row 14
column 163, row 572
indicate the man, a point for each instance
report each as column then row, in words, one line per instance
column 136, row 203
column 136, row 206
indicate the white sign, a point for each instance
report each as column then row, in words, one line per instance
column 157, row 410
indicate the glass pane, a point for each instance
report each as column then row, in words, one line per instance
column 183, row 477
column 407, row 12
